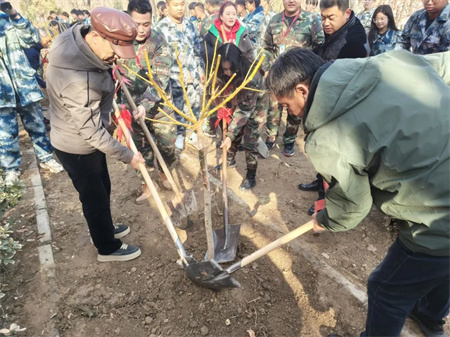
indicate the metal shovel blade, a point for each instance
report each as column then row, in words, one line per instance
column 209, row 274
column 262, row 148
column 225, row 250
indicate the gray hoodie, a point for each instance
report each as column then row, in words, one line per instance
column 81, row 91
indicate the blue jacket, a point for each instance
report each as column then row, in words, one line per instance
column 16, row 74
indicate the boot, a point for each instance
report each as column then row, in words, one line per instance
column 164, row 182
column 249, row 181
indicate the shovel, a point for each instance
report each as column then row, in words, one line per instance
column 226, row 238
column 217, row 280
column 195, row 271
column 183, row 204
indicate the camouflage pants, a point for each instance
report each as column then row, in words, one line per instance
column 273, row 124
column 33, row 122
column 194, row 93
column 164, row 136
column 251, row 125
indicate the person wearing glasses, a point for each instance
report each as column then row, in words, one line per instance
column 428, row 30
column 384, row 34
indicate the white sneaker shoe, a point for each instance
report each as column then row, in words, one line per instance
column 179, row 143
column 52, row 165
column 12, row 177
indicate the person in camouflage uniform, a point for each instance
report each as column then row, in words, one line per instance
column 249, row 111
column 20, row 94
column 268, row 15
column 254, row 20
column 366, row 15
column 383, row 34
column 152, row 42
column 212, row 6
column 201, row 16
column 291, row 28
column 427, row 31
column 181, row 32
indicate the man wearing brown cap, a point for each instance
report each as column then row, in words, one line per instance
column 81, row 91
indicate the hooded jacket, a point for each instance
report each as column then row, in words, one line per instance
column 378, row 131
column 349, row 41
column 81, row 91
column 239, row 33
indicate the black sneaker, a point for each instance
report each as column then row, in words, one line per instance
column 430, row 328
column 124, row 253
column 248, row 184
column 120, row 231
column 289, row 150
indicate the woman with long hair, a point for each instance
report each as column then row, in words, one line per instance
column 248, row 108
column 384, row 34
column 227, row 29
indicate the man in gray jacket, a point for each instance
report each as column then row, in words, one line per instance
column 378, row 131
column 81, row 92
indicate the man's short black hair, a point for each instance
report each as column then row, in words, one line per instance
column 160, row 4
column 297, row 65
column 214, row 3
column 65, row 14
column 200, row 5
column 240, row 2
column 80, row 12
column 192, row 5
column 256, row 2
column 86, row 12
column 74, row 11
column 52, row 12
column 139, row 6
column 343, row 5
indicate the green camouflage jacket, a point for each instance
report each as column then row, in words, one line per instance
column 207, row 22
column 306, row 32
column 161, row 61
column 423, row 41
column 190, row 49
column 17, row 79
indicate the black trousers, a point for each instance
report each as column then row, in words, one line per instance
column 90, row 177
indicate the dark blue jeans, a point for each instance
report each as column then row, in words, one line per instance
column 401, row 280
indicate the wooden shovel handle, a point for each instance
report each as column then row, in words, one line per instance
column 150, row 140
column 151, row 186
column 277, row 243
column 224, row 176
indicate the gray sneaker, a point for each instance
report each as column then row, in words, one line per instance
column 124, row 253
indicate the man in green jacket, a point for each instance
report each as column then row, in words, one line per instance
column 378, row 131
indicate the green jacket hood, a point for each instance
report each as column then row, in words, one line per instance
column 343, row 86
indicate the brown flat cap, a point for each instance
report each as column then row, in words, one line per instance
column 118, row 28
